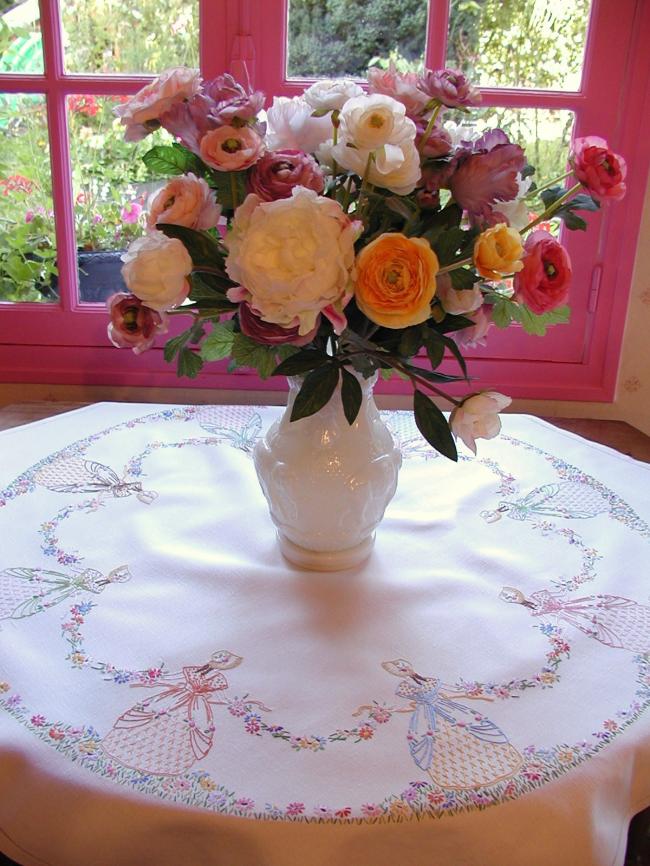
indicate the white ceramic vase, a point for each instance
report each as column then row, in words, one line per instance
column 327, row 483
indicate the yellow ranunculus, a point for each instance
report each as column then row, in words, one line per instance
column 498, row 251
column 396, row 280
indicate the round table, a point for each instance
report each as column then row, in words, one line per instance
column 173, row 691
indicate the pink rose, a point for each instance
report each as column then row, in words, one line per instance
column 132, row 325
column 543, row 282
column 270, row 334
column 276, row 174
column 600, row 170
column 449, row 87
column 185, row 201
column 140, row 114
column 470, row 338
column 231, row 148
column 402, row 86
column 477, row 417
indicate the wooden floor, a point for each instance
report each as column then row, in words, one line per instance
column 615, row 434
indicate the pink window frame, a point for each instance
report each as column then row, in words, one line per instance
column 575, row 362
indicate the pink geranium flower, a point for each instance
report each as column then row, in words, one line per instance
column 600, row 170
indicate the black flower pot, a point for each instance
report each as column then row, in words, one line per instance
column 99, row 275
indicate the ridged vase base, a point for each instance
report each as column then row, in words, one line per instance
column 326, row 560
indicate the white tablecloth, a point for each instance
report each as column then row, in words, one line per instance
column 173, row 691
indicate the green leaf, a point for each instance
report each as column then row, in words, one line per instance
column 538, row 324
column 448, row 245
column 225, row 182
column 316, row 391
column 351, row 395
column 172, row 159
column 410, row 341
column 248, row 353
column 502, row 312
column 463, row 278
column 431, row 376
column 433, row 425
column 458, row 355
column 204, row 250
column 173, row 346
column 433, row 343
column 571, row 220
column 301, row 362
column 218, row 344
column 189, row 363
column 210, row 289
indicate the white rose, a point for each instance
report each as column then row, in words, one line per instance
column 477, row 417
column 457, row 302
column 396, row 168
column 293, row 256
column 290, row 125
column 370, row 122
column 329, row 94
column 156, row 269
column 516, row 211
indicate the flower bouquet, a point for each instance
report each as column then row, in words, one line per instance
column 351, row 230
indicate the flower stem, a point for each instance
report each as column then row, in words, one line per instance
column 455, row 265
column 233, row 191
column 550, row 183
column 552, row 208
column 430, row 125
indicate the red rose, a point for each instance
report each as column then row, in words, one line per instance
column 268, row 333
column 599, row 169
column 132, row 325
column 543, row 282
column 278, row 172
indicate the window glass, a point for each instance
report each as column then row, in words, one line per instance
column 110, row 190
column 129, row 36
column 21, row 49
column 519, row 43
column 342, row 37
column 27, row 245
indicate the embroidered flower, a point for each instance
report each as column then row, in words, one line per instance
column 400, row 809
column 295, row 809
column 436, row 798
column 38, row 720
column 88, row 747
column 56, row 734
column 237, row 707
column 252, row 723
column 380, row 715
column 4, row 687
column 371, row 810
column 322, row 812
column 244, row 804
column 345, row 812
column 365, row 732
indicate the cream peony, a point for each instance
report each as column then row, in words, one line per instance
column 477, row 417
column 370, row 122
column 185, row 201
column 392, row 167
column 156, row 269
column 330, row 94
column 290, row 125
column 294, row 258
column 458, row 302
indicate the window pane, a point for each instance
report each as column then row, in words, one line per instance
column 21, row 49
column 131, row 37
column 27, row 245
column 519, row 43
column 331, row 39
column 110, row 189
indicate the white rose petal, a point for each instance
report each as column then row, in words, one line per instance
column 156, row 269
column 370, row 122
column 290, row 125
column 329, row 94
column 477, row 417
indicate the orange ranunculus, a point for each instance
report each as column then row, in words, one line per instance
column 498, row 252
column 396, row 280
